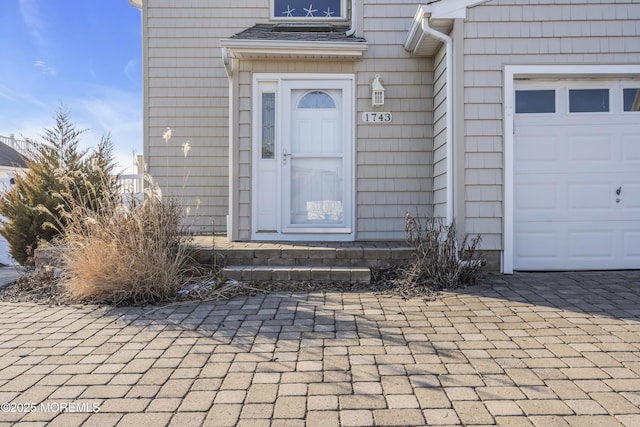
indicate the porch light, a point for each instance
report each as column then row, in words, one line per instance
column 377, row 92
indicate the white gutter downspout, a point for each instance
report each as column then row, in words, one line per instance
column 352, row 30
column 474, row 263
column 449, row 107
column 231, row 216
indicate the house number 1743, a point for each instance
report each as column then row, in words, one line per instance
column 374, row 117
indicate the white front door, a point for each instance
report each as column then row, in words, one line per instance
column 307, row 182
column 313, row 162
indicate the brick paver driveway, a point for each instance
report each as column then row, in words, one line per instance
column 530, row 349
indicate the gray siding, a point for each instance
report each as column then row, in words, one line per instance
column 187, row 90
column 504, row 32
column 440, row 135
column 394, row 162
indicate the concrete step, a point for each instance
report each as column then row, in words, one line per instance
column 353, row 254
column 299, row 273
column 282, row 261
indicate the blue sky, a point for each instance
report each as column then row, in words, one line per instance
column 85, row 54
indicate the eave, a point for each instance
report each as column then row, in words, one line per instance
column 282, row 50
column 440, row 16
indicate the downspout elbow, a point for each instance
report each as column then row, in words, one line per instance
column 227, row 61
column 436, row 34
column 351, row 31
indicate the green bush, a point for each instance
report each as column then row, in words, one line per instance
column 41, row 185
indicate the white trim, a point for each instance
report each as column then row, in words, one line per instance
column 249, row 48
column 511, row 72
column 450, row 9
column 298, row 80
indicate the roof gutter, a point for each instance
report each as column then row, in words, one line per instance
column 449, row 109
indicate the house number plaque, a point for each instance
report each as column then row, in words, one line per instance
column 376, row 117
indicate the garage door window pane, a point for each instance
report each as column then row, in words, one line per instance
column 535, row 101
column 631, row 100
column 589, row 100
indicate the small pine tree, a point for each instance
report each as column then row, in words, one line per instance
column 37, row 198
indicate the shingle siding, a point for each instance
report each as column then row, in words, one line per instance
column 399, row 166
column 187, row 90
column 440, row 134
column 504, row 32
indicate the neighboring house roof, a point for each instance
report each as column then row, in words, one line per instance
column 10, row 157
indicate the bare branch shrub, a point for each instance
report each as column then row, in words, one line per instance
column 440, row 262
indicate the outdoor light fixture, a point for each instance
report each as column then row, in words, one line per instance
column 377, row 92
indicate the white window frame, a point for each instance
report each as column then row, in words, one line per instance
column 628, row 85
column 556, row 100
column 511, row 73
column 589, row 113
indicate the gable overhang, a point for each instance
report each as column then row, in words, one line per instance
column 438, row 16
column 247, row 49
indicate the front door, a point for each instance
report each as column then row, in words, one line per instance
column 312, row 194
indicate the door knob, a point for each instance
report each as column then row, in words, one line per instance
column 284, row 157
column 618, row 191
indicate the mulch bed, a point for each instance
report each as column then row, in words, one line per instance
column 44, row 288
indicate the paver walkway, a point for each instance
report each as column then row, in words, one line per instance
column 529, row 349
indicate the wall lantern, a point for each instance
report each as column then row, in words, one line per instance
column 377, row 92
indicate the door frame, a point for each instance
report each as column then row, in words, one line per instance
column 511, row 73
column 263, row 82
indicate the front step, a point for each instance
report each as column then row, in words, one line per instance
column 300, row 273
column 299, row 261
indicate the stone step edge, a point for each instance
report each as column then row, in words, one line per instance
column 315, row 253
column 289, row 273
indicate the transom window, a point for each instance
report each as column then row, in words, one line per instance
column 317, row 99
column 309, row 9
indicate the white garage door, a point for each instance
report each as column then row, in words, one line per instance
column 577, row 175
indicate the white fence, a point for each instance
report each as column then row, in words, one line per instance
column 131, row 183
column 19, row 145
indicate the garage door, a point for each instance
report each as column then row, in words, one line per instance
column 577, row 175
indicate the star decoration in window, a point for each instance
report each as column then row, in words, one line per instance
column 319, row 9
column 310, row 11
column 289, row 11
